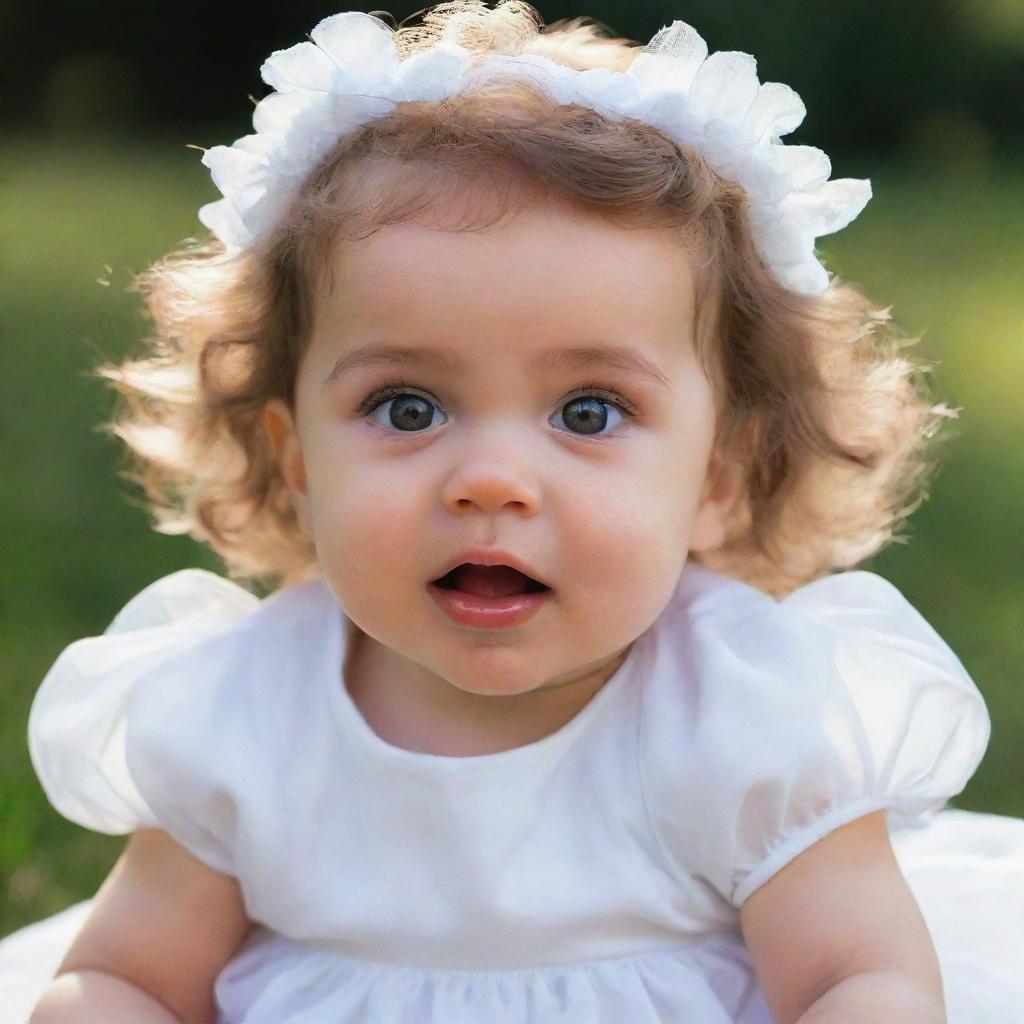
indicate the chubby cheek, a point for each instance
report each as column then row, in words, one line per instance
column 370, row 539
column 622, row 551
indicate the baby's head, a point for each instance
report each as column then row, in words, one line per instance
column 602, row 375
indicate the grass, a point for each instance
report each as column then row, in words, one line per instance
column 79, row 223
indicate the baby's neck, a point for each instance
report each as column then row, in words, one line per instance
column 410, row 707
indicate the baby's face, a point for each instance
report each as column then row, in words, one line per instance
column 485, row 437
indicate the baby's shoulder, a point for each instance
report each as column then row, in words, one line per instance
column 723, row 639
column 767, row 722
column 179, row 715
column 223, row 657
column 189, row 661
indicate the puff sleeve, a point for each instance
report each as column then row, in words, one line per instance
column 120, row 728
column 771, row 723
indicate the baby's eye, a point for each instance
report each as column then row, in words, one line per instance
column 588, row 414
column 409, row 413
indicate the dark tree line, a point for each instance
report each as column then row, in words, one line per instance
column 873, row 74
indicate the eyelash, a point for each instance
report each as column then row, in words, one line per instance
column 394, row 388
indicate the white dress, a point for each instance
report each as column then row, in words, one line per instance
column 592, row 876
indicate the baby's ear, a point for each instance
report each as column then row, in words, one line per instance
column 723, row 486
column 279, row 424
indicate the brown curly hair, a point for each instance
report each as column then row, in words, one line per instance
column 829, row 420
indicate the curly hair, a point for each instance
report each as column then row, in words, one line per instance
column 832, row 424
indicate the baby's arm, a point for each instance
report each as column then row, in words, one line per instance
column 162, row 926
column 836, row 936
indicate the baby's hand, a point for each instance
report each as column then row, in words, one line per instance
column 162, row 926
column 836, row 936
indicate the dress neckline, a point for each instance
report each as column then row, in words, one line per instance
column 698, row 587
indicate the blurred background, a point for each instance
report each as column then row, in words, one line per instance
column 924, row 97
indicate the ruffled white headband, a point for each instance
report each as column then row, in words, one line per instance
column 351, row 74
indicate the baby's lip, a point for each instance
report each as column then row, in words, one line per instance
column 490, row 556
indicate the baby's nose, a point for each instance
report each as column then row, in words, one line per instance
column 492, row 482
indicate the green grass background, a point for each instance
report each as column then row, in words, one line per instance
column 943, row 248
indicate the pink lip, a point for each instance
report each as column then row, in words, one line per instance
column 478, row 612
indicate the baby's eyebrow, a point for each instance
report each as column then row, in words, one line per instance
column 612, row 357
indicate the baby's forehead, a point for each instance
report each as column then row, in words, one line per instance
column 533, row 260
column 543, row 293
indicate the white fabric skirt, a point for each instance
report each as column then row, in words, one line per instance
column 965, row 869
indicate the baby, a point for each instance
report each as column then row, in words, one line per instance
column 511, row 371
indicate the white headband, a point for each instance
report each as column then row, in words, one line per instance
column 351, row 74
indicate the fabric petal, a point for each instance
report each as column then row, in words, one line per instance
column 303, row 66
column 726, row 86
column 803, row 167
column 223, row 220
column 611, row 93
column 673, row 114
column 834, row 205
column 358, row 44
column 778, row 110
column 671, row 60
column 258, row 145
column 808, row 277
column 786, row 240
column 557, row 80
column 284, row 113
column 432, row 75
column 232, row 167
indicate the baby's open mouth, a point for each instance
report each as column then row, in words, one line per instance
column 489, row 581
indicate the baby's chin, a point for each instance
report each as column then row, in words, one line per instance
column 493, row 672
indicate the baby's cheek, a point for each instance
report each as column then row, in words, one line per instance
column 625, row 557
column 364, row 541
